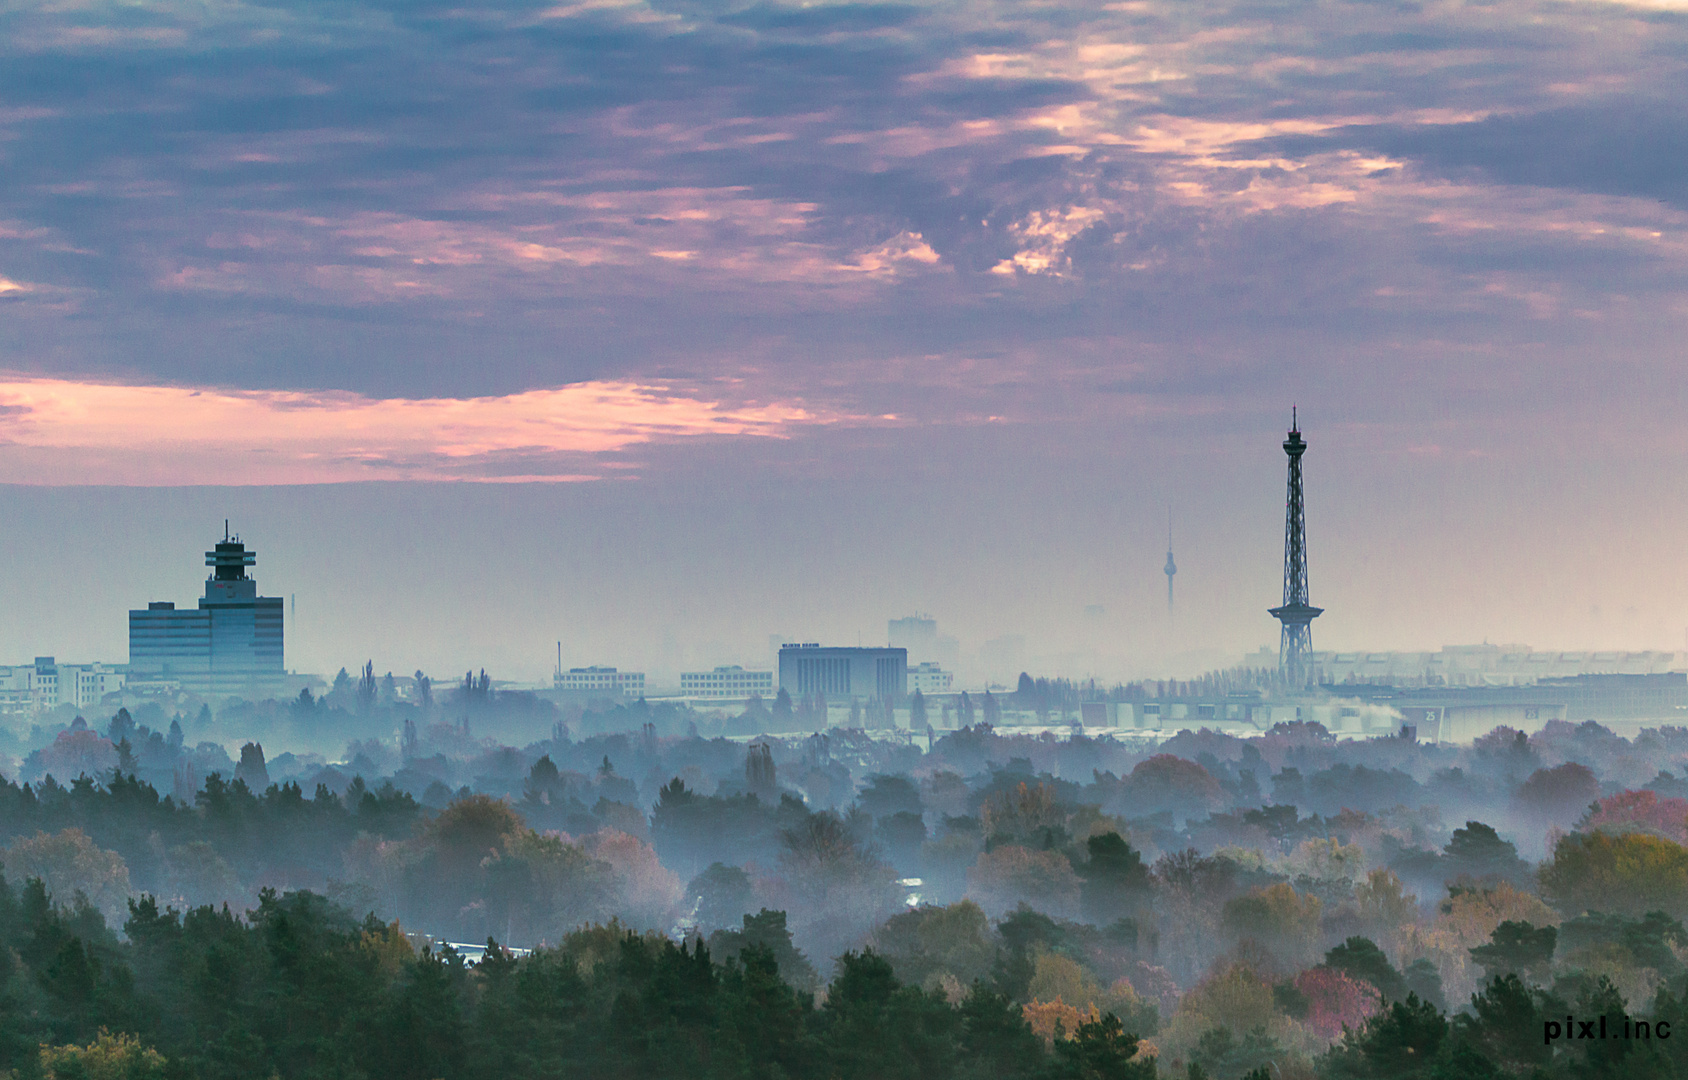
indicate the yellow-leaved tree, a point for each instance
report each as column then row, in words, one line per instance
column 1278, row 919
column 108, row 1057
column 1629, row 874
column 1466, row 920
column 1385, row 909
column 1235, row 997
column 1060, row 978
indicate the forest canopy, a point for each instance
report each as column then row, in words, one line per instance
column 839, row 905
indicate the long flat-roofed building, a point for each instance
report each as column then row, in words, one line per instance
column 600, row 680
column 840, row 674
column 727, row 683
column 231, row 643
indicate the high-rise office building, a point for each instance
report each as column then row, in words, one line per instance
column 919, row 635
column 916, row 633
column 231, row 643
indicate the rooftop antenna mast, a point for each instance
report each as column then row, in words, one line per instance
column 1295, row 614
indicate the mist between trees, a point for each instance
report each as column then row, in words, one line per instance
column 829, row 904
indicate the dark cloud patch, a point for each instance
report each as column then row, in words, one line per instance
column 1610, row 148
column 1614, row 147
column 825, row 19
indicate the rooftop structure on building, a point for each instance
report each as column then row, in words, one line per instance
column 230, row 644
column 844, row 674
column 731, row 683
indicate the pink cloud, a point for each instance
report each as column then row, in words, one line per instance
column 66, row 432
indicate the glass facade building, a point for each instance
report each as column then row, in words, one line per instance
column 231, row 643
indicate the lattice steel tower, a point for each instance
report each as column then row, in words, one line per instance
column 1296, row 614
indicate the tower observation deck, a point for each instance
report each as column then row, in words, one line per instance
column 1295, row 614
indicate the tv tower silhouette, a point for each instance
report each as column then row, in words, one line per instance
column 1296, row 614
column 1171, row 567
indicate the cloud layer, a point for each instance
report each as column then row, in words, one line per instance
column 54, row 431
column 428, row 199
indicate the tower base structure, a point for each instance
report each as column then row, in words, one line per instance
column 1296, row 641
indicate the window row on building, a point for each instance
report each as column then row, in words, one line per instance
column 600, row 680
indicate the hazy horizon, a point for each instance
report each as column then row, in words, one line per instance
column 647, row 574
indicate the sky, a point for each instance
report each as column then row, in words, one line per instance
column 656, row 328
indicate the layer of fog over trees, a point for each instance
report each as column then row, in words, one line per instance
column 830, row 904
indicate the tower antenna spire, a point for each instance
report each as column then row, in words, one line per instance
column 1295, row 614
column 1171, row 567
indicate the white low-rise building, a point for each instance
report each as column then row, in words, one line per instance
column 732, row 682
column 929, row 678
column 46, row 684
column 601, row 680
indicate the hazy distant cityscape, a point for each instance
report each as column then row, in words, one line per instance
column 232, row 646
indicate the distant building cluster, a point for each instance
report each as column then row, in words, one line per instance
column 46, row 684
column 232, row 643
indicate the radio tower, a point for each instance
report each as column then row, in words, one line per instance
column 1296, row 614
